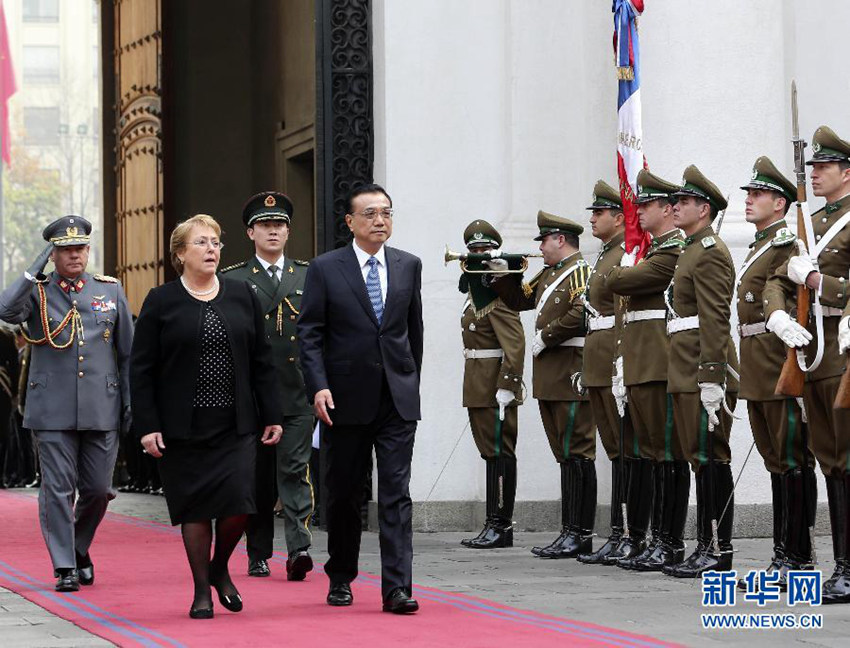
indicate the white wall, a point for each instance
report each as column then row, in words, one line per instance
column 497, row 108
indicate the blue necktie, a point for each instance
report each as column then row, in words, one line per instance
column 373, row 287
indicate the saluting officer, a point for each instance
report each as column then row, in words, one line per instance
column 702, row 371
column 608, row 225
column 557, row 294
column 829, row 282
column 283, row 470
column 776, row 421
column 494, row 354
column 78, row 392
column 645, row 349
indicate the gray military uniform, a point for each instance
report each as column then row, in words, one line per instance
column 75, row 398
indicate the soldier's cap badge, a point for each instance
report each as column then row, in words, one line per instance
column 270, row 201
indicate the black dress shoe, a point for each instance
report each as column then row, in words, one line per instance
column 340, row 595
column 598, row 556
column 67, row 580
column 201, row 613
column 298, row 563
column 232, row 602
column 557, row 542
column 699, row 562
column 259, row 568
column 398, row 602
column 85, row 569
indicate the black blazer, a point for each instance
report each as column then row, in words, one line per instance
column 345, row 350
column 164, row 363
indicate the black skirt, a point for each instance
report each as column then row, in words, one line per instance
column 211, row 474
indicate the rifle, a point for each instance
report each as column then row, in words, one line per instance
column 792, row 377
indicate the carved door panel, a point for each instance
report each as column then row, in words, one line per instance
column 141, row 249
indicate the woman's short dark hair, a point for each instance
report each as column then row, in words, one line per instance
column 359, row 190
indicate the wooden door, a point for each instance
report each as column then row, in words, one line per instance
column 141, row 246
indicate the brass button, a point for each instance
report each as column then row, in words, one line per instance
column 292, row 338
column 81, row 358
column 292, row 359
column 81, row 374
column 292, row 317
column 74, row 302
column 267, row 315
column 82, row 343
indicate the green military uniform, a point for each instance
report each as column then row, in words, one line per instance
column 283, row 470
column 597, row 366
column 644, row 347
column 557, row 293
column 494, row 354
column 702, row 351
column 776, row 421
column 829, row 439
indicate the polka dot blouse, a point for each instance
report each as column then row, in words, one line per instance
column 215, row 380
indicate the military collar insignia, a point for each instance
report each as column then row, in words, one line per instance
column 68, row 286
column 255, row 269
column 831, row 208
column 290, row 270
column 770, row 230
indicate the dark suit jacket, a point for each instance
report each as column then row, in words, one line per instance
column 164, row 364
column 345, row 350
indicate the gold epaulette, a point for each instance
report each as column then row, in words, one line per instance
column 529, row 288
column 105, row 278
column 241, row 264
column 300, row 262
column 578, row 280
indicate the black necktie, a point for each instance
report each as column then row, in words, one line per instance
column 273, row 273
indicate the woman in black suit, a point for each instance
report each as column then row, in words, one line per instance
column 202, row 388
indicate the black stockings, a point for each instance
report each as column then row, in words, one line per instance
column 197, row 538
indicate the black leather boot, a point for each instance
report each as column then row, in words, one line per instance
column 798, row 517
column 598, row 556
column 582, row 511
column 498, row 532
column 639, row 505
column 490, row 495
column 778, row 488
column 837, row 588
column 707, row 557
column 567, row 492
column 645, row 509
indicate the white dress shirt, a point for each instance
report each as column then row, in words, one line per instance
column 363, row 260
column 279, row 263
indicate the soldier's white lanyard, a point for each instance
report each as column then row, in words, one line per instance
column 749, row 262
column 548, row 292
column 813, row 256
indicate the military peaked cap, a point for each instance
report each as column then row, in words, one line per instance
column 551, row 224
column 480, row 232
column 650, row 187
column 267, row 206
column 694, row 183
column 68, row 230
column 828, row 147
column 606, row 197
column 767, row 176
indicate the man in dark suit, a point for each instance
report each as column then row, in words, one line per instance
column 361, row 351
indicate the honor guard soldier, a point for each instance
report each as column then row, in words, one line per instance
column 644, row 348
column 702, row 371
column 78, row 391
column 828, row 291
column 776, row 421
column 494, row 354
column 557, row 294
column 282, row 470
column 607, row 224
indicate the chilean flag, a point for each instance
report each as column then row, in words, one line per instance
column 630, row 158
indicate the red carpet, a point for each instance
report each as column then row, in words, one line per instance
column 147, row 604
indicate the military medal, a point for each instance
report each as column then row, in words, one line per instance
column 749, row 298
column 472, row 326
column 106, row 334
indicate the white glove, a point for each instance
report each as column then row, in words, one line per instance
column 537, row 344
column 575, row 379
column 628, row 259
column 504, row 397
column 711, row 395
column 496, row 265
column 618, row 387
column 799, row 268
column 787, row 330
column 844, row 334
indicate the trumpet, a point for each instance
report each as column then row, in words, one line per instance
column 517, row 263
